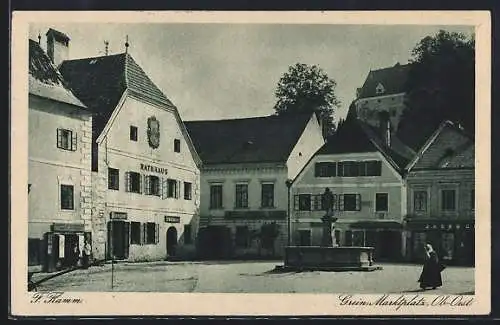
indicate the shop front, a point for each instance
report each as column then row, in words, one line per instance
column 64, row 246
column 453, row 240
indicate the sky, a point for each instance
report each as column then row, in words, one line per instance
column 219, row 71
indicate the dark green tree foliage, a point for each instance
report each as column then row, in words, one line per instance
column 305, row 88
column 441, row 85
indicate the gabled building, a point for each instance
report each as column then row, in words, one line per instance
column 441, row 196
column 145, row 167
column 246, row 165
column 364, row 168
column 59, row 169
column 383, row 94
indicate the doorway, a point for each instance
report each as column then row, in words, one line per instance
column 171, row 241
column 304, row 237
column 118, row 238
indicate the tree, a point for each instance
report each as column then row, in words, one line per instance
column 305, row 88
column 440, row 85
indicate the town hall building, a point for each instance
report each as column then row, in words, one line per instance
column 145, row 168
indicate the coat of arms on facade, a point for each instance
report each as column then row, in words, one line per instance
column 153, row 132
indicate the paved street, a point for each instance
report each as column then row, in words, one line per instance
column 250, row 277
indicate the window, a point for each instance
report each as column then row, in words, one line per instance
column 302, row 202
column 66, row 139
column 172, row 188
column 241, row 196
column 215, row 196
column 448, row 200
column 67, row 197
column 133, row 133
column 472, row 199
column 135, row 233
column 370, row 168
column 133, row 182
column 152, row 185
column 348, row 169
column 358, row 238
column 150, row 233
column 381, row 202
column 188, row 235
column 325, row 169
column 420, row 201
column 348, row 238
column 113, row 179
column 350, row 202
column 177, row 145
column 242, row 237
column 317, row 202
column 187, row 191
column 267, row 195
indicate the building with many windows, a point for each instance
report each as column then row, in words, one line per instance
column 363, row 167
column 441, row 197
column 145, row 168
column 244, row 193
column 383, row 94
column 59, row 172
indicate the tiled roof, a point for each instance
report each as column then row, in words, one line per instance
column 356, row 136
column 101, row 81
column 266, row 139
column 393, row 79
column 462, row 159
column 57, row 35
column 45, row 80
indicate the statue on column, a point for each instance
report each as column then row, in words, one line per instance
column 328, row 219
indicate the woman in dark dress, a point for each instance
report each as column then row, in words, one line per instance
column 431, row 272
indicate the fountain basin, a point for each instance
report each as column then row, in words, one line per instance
column 320, row 258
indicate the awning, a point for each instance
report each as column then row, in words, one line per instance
column 439, row 224
column 381, row 225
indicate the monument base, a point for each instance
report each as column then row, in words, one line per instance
column 319, row 258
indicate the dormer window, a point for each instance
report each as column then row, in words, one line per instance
column 380, row 89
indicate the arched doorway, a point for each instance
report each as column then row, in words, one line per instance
column 171, row 241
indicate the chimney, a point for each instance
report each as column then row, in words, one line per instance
column 57, row 46
column 388, row 133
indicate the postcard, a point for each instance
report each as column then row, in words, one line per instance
column 250, row 163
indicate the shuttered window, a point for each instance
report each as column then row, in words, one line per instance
column 135, row 233
column 66, row 139
column 152, row 185
column 325, row 169
column 133, row 182
column 350, row 202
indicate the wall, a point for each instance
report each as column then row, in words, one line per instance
column 49, row 166
column 118, row 151
column 389, row 182
column 368, row 108
column 434, row 180
column 307, row 145
column 254, row 175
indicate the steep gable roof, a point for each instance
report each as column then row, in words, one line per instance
column 454, row 152
column 356, row 136
column 45, row 80
column 266, row 139
column 101, row 81
column 392, row 79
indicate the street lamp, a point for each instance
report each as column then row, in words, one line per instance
column 289, row 237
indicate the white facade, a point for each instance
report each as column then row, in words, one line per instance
column 146, row 218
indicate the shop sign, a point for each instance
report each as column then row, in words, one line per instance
column 118, row 215
column 154, row 169
column 68, row 227
column 172, row 219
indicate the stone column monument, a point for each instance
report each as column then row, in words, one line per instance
column 328, row 239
